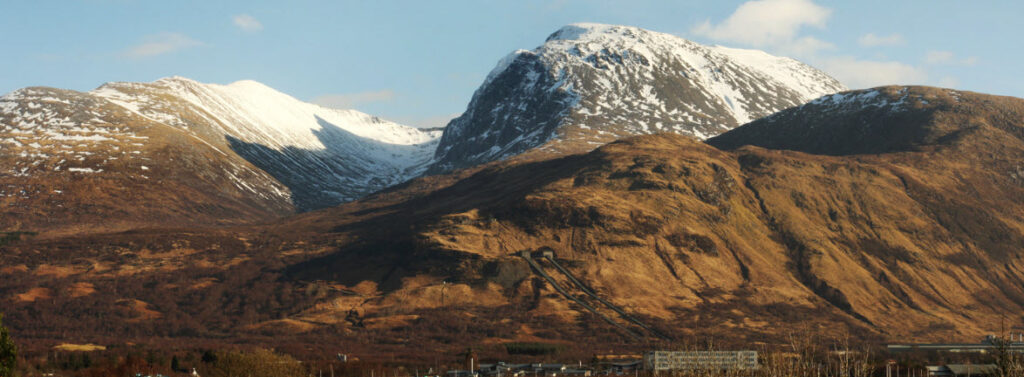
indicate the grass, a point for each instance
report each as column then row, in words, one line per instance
column 9, row 237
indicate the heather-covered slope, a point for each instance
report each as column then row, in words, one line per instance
column 923, row 241
column 589, row 84
column 743, row 244
column 882, row 120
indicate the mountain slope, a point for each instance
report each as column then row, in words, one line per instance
column 920, row 238
column 77, row 162
column 177, row 152
column 882, row 120
column 743, row 244
column 589, row 84
column 325, row 156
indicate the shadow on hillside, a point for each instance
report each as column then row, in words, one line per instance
column 348, row 168
column 389, row 247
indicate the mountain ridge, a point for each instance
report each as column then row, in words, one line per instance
column 588, row 84
column 247, row 153
column 741, row 243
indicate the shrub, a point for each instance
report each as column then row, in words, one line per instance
column 8, row 352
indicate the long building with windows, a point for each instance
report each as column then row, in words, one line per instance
column 699, row 360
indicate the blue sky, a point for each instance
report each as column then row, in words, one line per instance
column 418, row 62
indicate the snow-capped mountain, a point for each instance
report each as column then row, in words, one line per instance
column 589, row 84
column 325, row 156
column 177, row 149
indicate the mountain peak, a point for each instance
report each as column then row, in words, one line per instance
column 252, row 85
column 585, row 30
column 589, row 84
column 177, row 78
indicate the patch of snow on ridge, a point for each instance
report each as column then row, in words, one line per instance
column 798, row 76
column 84, row 170
column 719, row 71
column 503, row 65
column 325, row 156
column 592, row 83
column 255, row 113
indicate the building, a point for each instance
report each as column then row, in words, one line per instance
column 502, row 369
column 990, row 343
column 696, row 360
column 953, row 370
column 622, row 367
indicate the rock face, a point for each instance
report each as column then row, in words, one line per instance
column 176, row 151
column 589, row 84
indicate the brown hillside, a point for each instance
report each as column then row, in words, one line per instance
column 747, row 244
column 72, row 163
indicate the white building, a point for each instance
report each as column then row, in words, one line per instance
column 697, row 360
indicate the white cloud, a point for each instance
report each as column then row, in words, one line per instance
column 948, row 58
column 160, row 44
column 872, row 40
column 780, row 26
column 247, row 23
column 770, row 23
column 350, row 100
column 858, row 74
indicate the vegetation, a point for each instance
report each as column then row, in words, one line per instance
column 533, row 349
column 8, row 352
column 8, row 237
column 257, row 363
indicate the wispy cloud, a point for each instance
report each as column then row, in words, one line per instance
column 247, row 23
column 350, row 100
column 160, row 44
column 782, row 26
column 872, row 40
column 771, row 23
column 948, row 58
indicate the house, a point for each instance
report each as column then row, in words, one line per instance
column 501, row 369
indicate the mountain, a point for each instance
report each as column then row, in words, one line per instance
column 907, row 228
column 176, row 151
column 324, row 156
column 882, row 120
column 589, row 84
column 888, row 213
